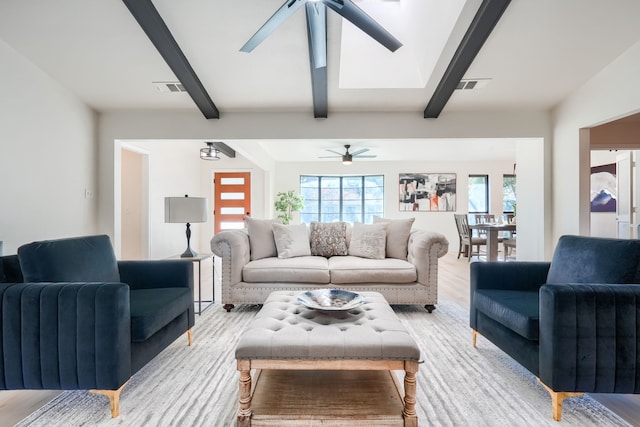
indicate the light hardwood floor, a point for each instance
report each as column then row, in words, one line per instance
column 453, row 284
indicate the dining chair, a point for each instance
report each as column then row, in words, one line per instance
column 466, row 239
column 509, row 245
column 483, row 219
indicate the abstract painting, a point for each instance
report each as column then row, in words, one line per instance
column 429, row 192
column 603, row 188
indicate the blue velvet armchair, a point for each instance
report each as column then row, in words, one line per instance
column 574, row 322
column 72, row 317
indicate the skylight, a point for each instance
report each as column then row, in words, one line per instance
column 365, row 64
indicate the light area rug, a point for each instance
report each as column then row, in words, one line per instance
column 457, row 384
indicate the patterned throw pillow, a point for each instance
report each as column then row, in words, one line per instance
column 328, row 238
column 368, row 240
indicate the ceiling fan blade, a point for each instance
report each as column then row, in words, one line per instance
column 348, row 10
column 335, row 152
column 329, row 157
column 281, row 15
column 363, row 150
column 317, row 34
column 366, row 156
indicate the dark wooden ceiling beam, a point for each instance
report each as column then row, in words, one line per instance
column 154, row 26
column 317, row 37
column 224, row 149
column 485, row 20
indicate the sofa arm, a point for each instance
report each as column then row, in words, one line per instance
column 175, row 273
column 589, row 338
column 424, row 249
column 232, row 246
column 65, row 336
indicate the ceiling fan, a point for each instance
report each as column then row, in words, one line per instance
column 347, row 157
column 317, row 26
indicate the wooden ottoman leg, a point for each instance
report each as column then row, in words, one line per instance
column 409, row 411
column 244, row 409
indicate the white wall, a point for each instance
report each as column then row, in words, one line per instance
column 175, row 169
column 255, row 126
column 605, row 97
column 48, row 157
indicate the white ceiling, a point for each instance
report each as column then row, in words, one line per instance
column 540, row 51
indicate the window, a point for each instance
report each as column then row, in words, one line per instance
column 508, row 193
column 342, row 198
column 478, row 193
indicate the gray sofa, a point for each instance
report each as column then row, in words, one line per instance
column 250, row 264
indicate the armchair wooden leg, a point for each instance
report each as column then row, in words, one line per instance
column 474, row 337
column 556, row 400
column 189, row 337
column 114, row 399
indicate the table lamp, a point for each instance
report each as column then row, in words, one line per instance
column 187, row 210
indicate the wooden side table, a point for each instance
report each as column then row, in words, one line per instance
column 198, row 261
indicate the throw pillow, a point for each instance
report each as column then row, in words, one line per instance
column 261, row 241
column 328, row 239
column 398, row 231
column 291, row 240
column 368, row 240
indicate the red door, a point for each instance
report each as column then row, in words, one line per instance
column 232, row 200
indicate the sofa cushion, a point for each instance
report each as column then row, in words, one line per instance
column 328, row 238
column 77, row 259
column 350, row 269
column 398, row 231
column 307, row 269
column 368, row 240
column 261, row 241
column 153, row 309
column 579, row 259
column 517, row 310
column 291, row 240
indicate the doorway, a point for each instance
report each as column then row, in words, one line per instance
column 134, row 204
column 232, row 200
column 617, row 141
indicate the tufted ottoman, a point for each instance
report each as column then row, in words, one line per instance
column 329, row 368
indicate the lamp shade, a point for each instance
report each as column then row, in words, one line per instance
column 185, row 209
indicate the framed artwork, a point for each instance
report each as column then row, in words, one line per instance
column 603, row 188
column 427, row 192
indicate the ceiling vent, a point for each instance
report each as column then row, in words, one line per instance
column 169, row 87
column 469, row 84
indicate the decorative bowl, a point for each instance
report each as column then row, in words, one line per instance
column 330, row 299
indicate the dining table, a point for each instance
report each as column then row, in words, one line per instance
column 492, row 231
